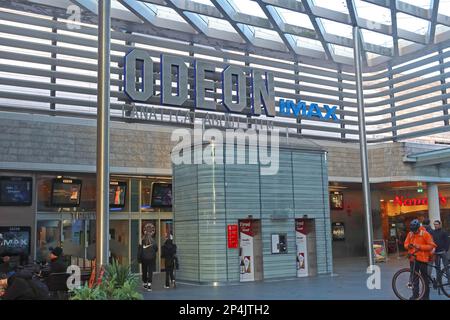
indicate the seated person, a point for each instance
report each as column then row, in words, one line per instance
column 5, row 265
column 22, row 286
column 57, row 263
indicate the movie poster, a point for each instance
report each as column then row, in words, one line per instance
column 246, row 258
column 302, row 248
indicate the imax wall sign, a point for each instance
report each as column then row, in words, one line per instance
column 139, row 86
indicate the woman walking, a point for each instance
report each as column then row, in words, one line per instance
column 147, row 257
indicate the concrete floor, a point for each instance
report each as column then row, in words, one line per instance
column 347, row 283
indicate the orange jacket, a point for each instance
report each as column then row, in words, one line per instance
column 424, row 241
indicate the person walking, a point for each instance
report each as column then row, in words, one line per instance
column 420, row 244
column 442, row 240
column 426, row 224
column 147, row 257
column 168, row 252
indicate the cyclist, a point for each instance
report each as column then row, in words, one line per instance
column 420, row 245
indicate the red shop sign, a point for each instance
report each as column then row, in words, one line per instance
column 233, row 236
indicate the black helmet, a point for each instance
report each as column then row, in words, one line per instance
column 414, row 225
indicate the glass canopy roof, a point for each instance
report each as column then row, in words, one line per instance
column 314, row 28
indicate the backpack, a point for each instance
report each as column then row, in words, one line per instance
column 148, row 253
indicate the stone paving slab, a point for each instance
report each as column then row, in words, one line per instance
column 347, row 283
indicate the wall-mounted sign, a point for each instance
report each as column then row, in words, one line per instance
column 15, row 240
column 279, row 243
column 407, row 202
column 176, row 92
column 233, row 236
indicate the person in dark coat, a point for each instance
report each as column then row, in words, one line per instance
column 57, row 263
column 440, row 237
column 147, row 257
column 168, row 251
column 426, row 224
column 22, row 286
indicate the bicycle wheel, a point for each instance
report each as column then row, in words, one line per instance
column 444, row 280
column 403, row 285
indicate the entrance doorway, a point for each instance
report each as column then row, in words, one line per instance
column 250, row 251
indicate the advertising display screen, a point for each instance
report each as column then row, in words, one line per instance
column 15, row 191
column 117, row 194
column 66, row 193
column 338, row 230
column 336, row 200
column 162, row 195
column 15, row 240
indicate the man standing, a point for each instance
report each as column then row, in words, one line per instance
column 440, row 237
column 419, row 244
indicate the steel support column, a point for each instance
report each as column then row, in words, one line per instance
column 363, row 145
column 103, row 101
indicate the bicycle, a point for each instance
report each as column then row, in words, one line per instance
column 405, row 281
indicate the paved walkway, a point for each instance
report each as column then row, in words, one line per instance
column 347, row 283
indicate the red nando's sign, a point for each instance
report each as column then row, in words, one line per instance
column 402, row 201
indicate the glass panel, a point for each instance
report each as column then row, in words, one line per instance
column 73, row 240
column 134, row 195
column 425, row 4
column 308, row 43
column 295, row 18
column 413, row 24
column 248, row 7
column 340, row 6
column 119, row 242
column 373, row 12
column 444, row 7
column 377, row 38
column 337, row 28
column 48, row 235
column 218, row 24
column 134, row 245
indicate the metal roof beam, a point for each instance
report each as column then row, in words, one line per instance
column 319, row 29
column 230, row 13
column 394, row 27
column 433, row 21
column 277, row 24
column 148, row 15
column 354, row 19
column 90, row 5
column 186, row 18
column 196, row 7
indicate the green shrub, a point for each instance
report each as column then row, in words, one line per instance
column 118, row 283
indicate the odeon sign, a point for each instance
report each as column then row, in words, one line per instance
column 262, row 92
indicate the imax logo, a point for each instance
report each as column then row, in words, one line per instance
column 313, row 111
column 14, row 243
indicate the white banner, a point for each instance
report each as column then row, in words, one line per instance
column 302, row 254
column 246, row 260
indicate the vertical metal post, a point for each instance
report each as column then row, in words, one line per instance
column 443, row 91
column 53, row 66
column 363, row 145
column 103, row 97
column 341, row 99
column 392, row 104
